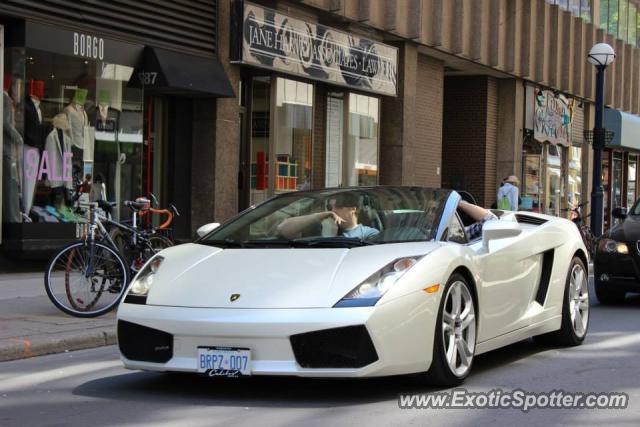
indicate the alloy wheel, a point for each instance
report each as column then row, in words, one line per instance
column 459, row 328
column 579, row 300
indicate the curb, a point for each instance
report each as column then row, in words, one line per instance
column 21, row 348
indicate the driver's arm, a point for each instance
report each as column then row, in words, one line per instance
column 474, row 211
column 290, row 227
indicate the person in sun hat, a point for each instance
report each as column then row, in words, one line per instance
column 508, row 194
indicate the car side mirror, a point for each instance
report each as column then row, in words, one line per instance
column 620, row 213
column 207, row 228
column 496, row 229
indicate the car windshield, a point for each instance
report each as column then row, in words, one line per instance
column 336, row 218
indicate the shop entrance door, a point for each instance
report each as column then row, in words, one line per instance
column 167, row 157
column 335, row 140
column 632, row 164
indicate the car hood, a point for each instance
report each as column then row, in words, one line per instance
column 195, row 275
column 626, row 231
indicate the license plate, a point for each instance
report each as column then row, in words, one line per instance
column 224, row 361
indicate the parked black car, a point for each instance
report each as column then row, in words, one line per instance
column 617, row 260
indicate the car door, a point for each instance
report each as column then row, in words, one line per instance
column 508, row 277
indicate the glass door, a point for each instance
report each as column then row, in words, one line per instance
column 335, row 140
column 362, row 148
column 352, row 140
column 631, row 180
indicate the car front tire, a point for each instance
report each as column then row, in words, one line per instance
column 455, row 335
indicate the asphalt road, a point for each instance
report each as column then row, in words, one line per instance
column 90, row 388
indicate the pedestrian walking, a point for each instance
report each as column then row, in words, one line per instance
column 508, row 194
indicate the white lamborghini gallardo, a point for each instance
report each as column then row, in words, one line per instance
column 415, row 296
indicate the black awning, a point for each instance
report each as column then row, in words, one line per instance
column 167, row 71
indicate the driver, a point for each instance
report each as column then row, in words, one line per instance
column 479, row 214
column 343, row 212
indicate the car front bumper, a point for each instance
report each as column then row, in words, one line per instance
column 620, row 271
column 401, row 332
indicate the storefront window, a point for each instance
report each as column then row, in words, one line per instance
column 289, row 146
column 631, row 180
column 574, row 177
column 293, row 114
column 532, row 190
column 73, row 132
column 606, row 187
column 335, row 140
column 616, row 180
column 362, row 144
column 260, row 130
column 553, row 180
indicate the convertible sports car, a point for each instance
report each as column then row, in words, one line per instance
column 412, row 297
column 616, row 263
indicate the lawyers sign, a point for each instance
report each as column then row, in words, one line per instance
column 268, row 39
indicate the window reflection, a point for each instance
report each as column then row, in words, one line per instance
column 362, row 146
column 294, row 114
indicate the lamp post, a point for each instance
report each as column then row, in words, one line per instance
column 600, row 56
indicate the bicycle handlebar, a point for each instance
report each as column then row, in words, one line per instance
column 166, row 212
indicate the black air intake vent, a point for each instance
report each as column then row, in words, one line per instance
column 526, row 219
column 348, row 347
column 145, row 344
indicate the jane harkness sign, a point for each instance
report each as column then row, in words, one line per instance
column 279, row 42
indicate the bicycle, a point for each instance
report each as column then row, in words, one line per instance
column 128, row 243
column 588, row 238
column 88, row 278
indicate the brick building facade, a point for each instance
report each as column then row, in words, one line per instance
column 463, row 115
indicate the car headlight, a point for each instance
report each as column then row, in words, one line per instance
column 141, row 284
column 375, row 286
column 611, row 246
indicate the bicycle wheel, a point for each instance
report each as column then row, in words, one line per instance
column 86, row 280
column 159, row 243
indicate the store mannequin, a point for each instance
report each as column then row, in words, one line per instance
column 11, row 159
column 107, row 126
column 59, row 156
column 33, row 125
column 78, row 119
column 34, row 137
column 106, row 117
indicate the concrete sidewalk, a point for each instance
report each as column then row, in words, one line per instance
column 30, row 325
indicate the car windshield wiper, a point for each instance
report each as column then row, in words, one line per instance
column 227, row 243
column 331, row 242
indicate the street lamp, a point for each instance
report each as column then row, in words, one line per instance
column 600, row 56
